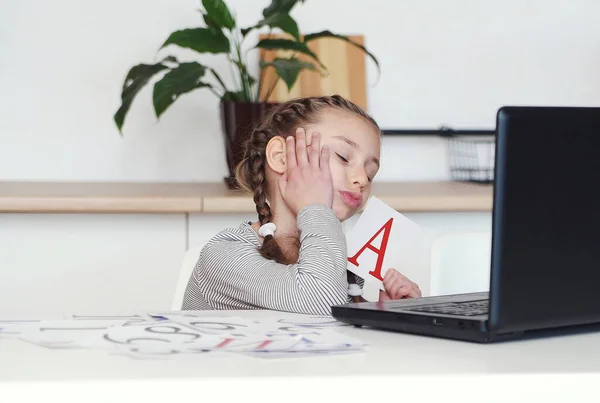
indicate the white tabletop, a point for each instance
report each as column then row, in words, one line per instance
column 398, row 358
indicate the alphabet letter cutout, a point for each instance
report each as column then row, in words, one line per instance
column 382, row 239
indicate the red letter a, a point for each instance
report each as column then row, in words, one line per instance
column 387, row 227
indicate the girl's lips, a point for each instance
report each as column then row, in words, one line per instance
column 352, row 199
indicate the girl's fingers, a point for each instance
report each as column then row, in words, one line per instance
column 417, row 289
column 399, row 286
column 314, row 150
column 290, row 151
column 407, row 290
column 390, row 274
column 401, row 290
column 392, row 285
column 324, row 160
column 384, row 296
column 301, row 153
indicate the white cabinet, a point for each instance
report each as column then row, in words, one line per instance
column 53, row 264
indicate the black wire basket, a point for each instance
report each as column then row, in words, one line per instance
column 471, row 158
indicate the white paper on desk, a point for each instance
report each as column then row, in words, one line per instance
column 277, row 329
column 12, row 329
column 162, row 333
column 178, row 335
column 322, row 342
column 211, row 345
column 328, row 341
column 236, row 327
column 231, row 326
column 239, row 327
column 383, row 238
column 245, row 335
column 128, row 319
column 282, row 345
column 171, row 339
column 67, row 333
column 311, row 338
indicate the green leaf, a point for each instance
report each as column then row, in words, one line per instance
column 209, row 22
column 171, row 59
column 219, row 13
column 282, row 21
column 202, row 40
column 288, row 69
column 286, row 44
column 234, row 96
column 219, row 79
column 246, row 30
column 329, row 34
column 280, row 6
column 180, row 80
column 137, row 77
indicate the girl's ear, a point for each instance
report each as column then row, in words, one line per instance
column 275, row 154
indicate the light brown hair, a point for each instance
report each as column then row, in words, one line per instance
column 283, row 120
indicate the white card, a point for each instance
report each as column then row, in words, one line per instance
column 328, row 341
column 169, row 338
column 382, row 239
column 129, row 319
column 12, row 329
column 323, row 342
column 67, row 333
column 230, row 326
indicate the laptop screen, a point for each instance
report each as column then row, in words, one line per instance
column 546, row 239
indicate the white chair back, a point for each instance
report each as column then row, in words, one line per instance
column 460, row 263
column 187, row 267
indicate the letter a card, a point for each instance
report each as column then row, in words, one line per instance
column 381, row 239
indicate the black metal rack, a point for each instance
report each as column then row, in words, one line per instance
column 470, row 152
column 442, row 132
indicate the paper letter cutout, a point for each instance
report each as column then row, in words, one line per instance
column 387, row 228
column 390, row 240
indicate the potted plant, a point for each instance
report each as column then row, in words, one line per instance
column 241, row 105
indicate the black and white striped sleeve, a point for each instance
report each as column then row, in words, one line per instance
column 233, row 275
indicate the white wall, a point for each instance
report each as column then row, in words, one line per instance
column 453, row 63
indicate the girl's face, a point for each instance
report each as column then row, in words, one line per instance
column 355, row 148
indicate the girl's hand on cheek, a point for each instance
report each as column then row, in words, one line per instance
column 308, row 176
column 398, row 286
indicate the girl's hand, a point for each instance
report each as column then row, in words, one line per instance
column 308, row 177
column 398, row 286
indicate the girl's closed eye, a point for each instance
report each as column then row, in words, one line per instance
column 340, row 156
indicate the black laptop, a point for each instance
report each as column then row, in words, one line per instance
column 545, row 263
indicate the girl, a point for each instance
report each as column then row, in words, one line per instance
column 309, row 165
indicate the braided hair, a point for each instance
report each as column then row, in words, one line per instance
column 283, row 120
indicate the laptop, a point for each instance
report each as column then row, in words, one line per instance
column 545, row 255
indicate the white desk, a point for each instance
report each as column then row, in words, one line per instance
column 393, row 364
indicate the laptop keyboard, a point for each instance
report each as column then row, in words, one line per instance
column 467, row 308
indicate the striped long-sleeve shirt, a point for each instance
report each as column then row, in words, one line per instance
column 231, row 273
